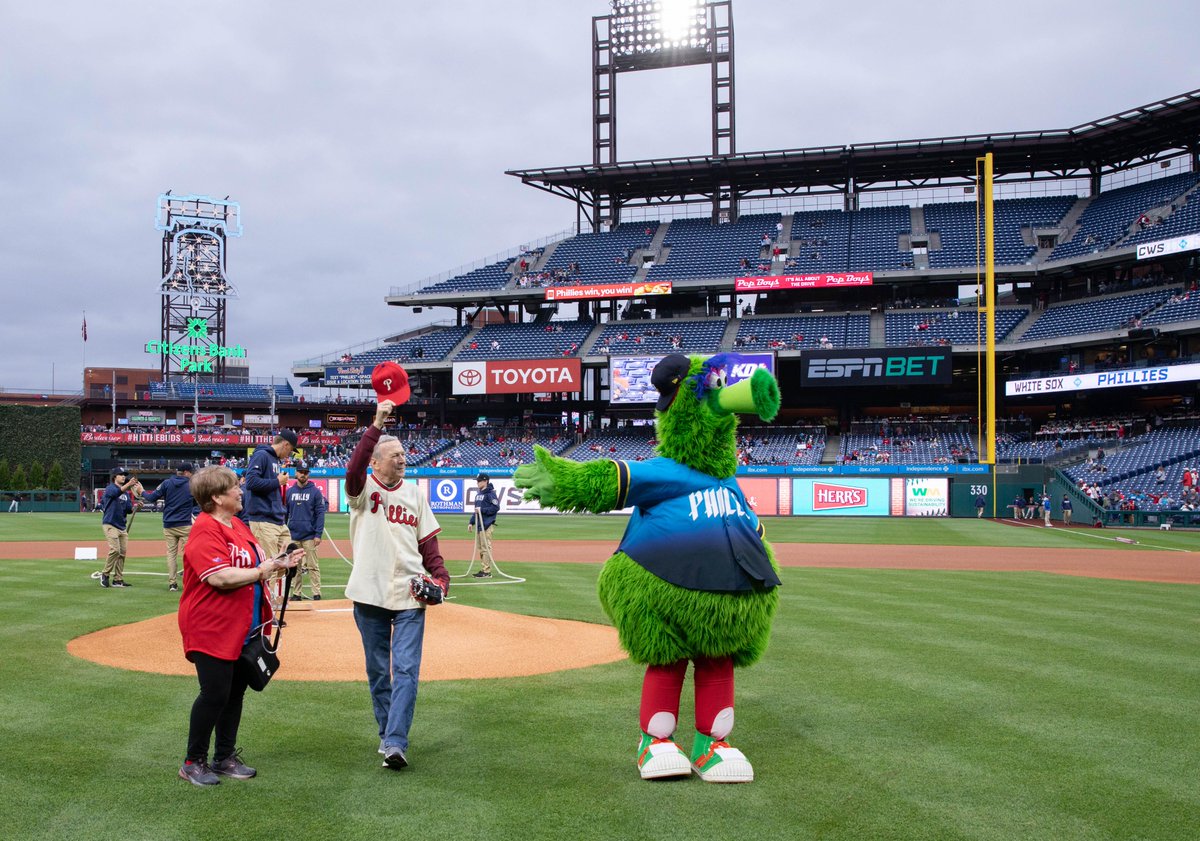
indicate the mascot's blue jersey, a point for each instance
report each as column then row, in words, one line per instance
column 691, row 529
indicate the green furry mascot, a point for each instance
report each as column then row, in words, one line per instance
column 692, row 579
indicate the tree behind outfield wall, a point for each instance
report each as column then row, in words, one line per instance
column 18, row 481
column 54, row 480
column 37, row 476
column 5, row 475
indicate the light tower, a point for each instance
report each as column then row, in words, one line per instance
column 652, row 34
column 195, row 289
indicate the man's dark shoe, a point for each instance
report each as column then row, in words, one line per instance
column 104, row 582
column 198, row 774
column 173, row 587
column 297, row 597
column 121, row 583
column 394, row 758
column 482, row 574
column 232, row 766
column 316, row 597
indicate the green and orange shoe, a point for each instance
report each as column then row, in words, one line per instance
column 659, row 759
column 717, row 762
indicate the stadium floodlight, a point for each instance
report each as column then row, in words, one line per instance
column 663, row 33
column 651, row 35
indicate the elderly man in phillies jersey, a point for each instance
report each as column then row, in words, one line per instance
column 394, row 538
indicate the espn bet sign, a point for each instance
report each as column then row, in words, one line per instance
column 867, row 367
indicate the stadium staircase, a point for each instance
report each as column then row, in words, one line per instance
column 878, row 328
column 785, row 236
column 1024, row 324
column 654, row 249
column 1068, row 227
column 1165, row 211
column 547, row 253
column 731, row 331
column 833, row 446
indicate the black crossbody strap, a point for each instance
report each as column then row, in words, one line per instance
column 287, row 590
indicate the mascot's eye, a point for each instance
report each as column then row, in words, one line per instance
column 715, row 379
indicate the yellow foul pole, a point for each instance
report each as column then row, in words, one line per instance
column 990, row 285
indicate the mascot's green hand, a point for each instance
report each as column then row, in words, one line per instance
column 536, row 478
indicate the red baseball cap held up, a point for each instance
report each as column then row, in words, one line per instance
column 390, row 382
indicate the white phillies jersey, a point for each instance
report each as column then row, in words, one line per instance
column 387, row 523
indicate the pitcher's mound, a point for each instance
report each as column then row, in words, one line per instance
column 321, row 642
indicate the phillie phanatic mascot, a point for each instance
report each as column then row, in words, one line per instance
column 692, row 578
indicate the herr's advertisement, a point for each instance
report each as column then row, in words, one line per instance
column 870, row 367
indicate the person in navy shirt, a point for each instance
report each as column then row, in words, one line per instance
column 117, row 506
column 1067, row 508
column 179, row 510
column 265, row 481
column 305, row 507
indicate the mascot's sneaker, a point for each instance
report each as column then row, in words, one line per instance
column 659, row 759
column 716, row 762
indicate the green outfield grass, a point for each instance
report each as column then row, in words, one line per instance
column 929, row 531
column 891, row 705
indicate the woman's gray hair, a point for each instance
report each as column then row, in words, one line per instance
column 383, row 439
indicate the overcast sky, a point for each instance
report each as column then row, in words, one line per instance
column 367, row 142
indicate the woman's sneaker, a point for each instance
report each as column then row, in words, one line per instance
column 231, row 766
column 198, row 773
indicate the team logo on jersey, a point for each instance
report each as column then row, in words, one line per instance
column 395, row 513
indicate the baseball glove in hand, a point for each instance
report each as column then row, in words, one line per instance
column 425, row 589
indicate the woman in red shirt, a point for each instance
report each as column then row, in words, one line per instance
column 223, row 604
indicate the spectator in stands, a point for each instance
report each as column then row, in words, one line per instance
column 1160, row 475
column 179, row 511
column 265, row 483
column 495, row 345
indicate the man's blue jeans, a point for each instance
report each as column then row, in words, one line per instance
column 392, row 644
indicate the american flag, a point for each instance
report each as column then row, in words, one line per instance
column 85, row 328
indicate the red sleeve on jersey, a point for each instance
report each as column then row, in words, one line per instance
column 431, row 559
column 356, row 470
column 207, row 550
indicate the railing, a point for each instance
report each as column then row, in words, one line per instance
column 334, row 357
column 397, row 291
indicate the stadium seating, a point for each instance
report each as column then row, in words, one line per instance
column 955, row 222
column 842, row 330
column 702, row 249
column 428, row 347
column 531, row 340
column 626, row 338
column 958, row 326
column 1186, row 308
column 182, row 390
column 875, row 236
column 781, row 445
column 821, row 241
column 1130, row 468
column 1107, row 219
column 635, row 445
column 493, row 276
column 603, row 257
column 1095, row 316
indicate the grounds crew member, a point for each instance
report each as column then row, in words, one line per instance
column 179, row 510
column 117, row 505
column 487, row 506
column 305, row 508
column 265, row 481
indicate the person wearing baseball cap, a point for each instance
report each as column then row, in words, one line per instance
column 117, row 504
column 483, row 522
column 179, row 511
column 390, row 382
column 265, row 481
column 306, row 508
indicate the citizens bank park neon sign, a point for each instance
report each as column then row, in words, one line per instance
column 197, row 328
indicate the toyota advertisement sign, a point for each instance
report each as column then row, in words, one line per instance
column 518, row 376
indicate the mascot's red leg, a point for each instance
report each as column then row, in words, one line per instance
column 659, row 757
column 712, row 757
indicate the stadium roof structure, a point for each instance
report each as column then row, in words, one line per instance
column 1154, row 132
